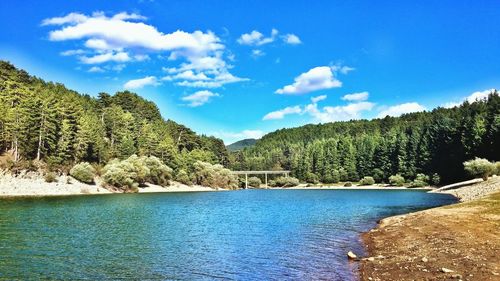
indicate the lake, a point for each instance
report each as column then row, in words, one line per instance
column 239, row 235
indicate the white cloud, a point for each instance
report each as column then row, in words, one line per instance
column 255, row 38
column 318, row 98
column 280, row 114
column 400, row 109
column 139, row 83
column 291, row 39
column 479, row 95
column 338, row 113
column 199, row 98
column 72, row 52
column 318, row 78
column 344, row 69
column 234, row 136
column 257, row 53
column 117, row 38
column 106, row 57
column 356, row 96
column 96, row 69
column 71, row 18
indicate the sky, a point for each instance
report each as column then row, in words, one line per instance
column 240, row 69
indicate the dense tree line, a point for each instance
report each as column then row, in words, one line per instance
column 59, row 127
column 433, row 144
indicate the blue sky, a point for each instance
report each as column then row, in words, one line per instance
column 235, row 70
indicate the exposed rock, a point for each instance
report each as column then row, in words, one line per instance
column 352, row 256
column 446, row 270
column 424, row 259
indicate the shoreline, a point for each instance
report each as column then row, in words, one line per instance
column 457, row 241
column 35, row 186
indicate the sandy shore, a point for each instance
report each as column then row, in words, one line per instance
column 32, row 185
column 457, row 242
column 362, row 187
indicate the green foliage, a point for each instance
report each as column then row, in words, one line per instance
column 254, row 182
column 435, row 142
column 367, row 181
column 497, row 168
column 50, row 177
column 312, row 178
column 83, row 172
column 183, row 177
column 50, row 123
column 159, row 173
column 121, row 174
column 397, row 180
column 348, row 184
column 216, row 176
column 479, row 167
column 284, row 182
column 435, row 179
column 420, row 180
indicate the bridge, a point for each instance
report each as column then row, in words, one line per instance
column 265, row 173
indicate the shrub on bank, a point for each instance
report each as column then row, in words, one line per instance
column 121, row 174
column 479, row 167
column 159, row 173
column 83, row 172
column 183, row 177
column 367, row 181
column 284, row 182
column 254, row 182
column 397, row 180
column 436, row 179
column 497, row 168
column 420, row 180
column 348, row 184
column 210, row 175
column 312, row 178
column 50, row 177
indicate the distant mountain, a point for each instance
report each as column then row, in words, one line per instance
column 240, row 145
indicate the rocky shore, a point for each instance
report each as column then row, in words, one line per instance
column 457, row 242
column 32, row 184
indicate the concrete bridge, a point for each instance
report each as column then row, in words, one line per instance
column 265, row 173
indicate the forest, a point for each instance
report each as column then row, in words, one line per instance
column 424, row 146
column 46, row 124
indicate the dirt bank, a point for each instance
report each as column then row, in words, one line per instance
column 457, row 242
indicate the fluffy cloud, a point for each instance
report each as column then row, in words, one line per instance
column 255, row 38
column 107, row 57
column 280, row 114
column 318, row 98
column 96, row 69
column 116, row 38
column 318, row 78
column 356, row 96
column 325, row 114
column 230, row 137
column 199, row 98
column 338, row 113
column 400, row 109
column 291, row 39
column 479, row 95
column 139, row 83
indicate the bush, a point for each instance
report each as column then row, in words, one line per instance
column 183, row 177
column 348, row 184
column 367, row 181
column 254, row 182
column 210, row 175
column 378, row 175
column 83, row 172
column 285, row 182
column 312, row 178
column 479, row 167
column 420, row 180
column 497, row 168
column 333, row 177
column 436, row 179
column 121, row 174
column 397, row 180
column 50, row 177
column 159, row 173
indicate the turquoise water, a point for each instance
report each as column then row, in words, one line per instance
column 241, row 235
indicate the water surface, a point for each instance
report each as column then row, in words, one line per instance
column 241, row 235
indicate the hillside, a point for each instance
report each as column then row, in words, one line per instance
column 432, row 145
column 240, row 145
column 58, row 127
